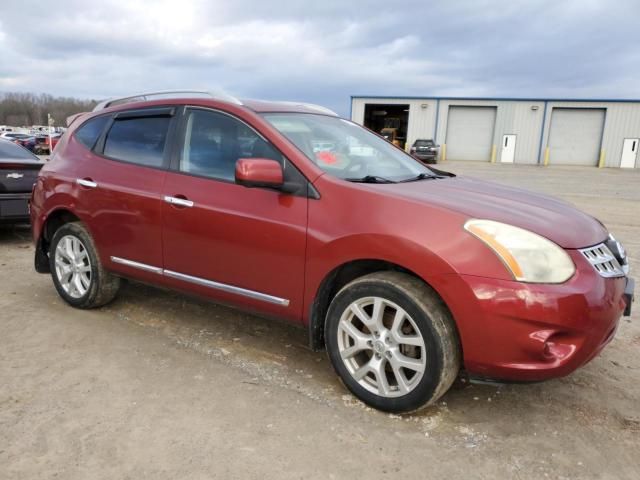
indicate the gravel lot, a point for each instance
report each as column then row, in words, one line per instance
column 161, row 385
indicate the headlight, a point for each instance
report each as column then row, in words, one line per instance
column 528, row 256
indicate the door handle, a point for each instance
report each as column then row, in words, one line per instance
column 86, row 183
column 180, row 202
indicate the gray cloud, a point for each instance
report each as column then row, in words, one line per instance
column 323, row 51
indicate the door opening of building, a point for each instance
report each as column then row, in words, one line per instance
column 389, row 120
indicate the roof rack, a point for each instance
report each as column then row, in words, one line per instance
column 141, row 97
column 313, row 106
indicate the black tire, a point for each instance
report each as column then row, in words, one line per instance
column 431, row 317
column 103, row 286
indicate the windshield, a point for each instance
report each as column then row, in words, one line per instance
column 424, row 143
column 346, row 150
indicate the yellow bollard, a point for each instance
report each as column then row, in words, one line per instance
column 443, row 155
column 602, row 157
column 546, row 156
column 493, row 154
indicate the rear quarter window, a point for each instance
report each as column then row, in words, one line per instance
column 138, row 140
column 9, row 151
column 90, row 131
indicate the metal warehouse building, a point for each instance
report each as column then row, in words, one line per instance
column 601, row 133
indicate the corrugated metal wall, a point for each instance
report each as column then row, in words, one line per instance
column 513, row 118
column 523, row 118
column 622, row 120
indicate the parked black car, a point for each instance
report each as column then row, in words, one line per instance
column 425, row 150
column 18, row 172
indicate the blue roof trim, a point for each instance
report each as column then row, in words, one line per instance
column 503, row 99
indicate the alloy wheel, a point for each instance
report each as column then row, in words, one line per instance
column 73, row 266
column 381, row 347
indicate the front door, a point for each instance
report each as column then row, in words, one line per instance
column 508, row 149
column 629, row 153
column 239, row 245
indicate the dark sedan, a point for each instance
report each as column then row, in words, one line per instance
column 18, row 172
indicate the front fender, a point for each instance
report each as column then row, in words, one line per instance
column 397, row 250
column 324, row 259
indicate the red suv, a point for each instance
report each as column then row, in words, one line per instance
column 405, row 273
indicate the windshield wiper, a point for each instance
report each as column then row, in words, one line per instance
column 370, row 179
column 420, row 176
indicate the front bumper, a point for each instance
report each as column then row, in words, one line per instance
column 425, row 155
column 529, row 332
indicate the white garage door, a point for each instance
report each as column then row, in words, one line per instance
column 575, row 136
column 470, row 133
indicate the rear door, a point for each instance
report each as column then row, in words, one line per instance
column 120, row 186
column 239, row 245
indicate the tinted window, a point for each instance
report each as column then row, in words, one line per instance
column 10, row 150
column 88, row 133
column 138, row 140
column 424, row 143
column 214, row 142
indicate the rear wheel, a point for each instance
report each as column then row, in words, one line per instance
column 392, row 341
column 76, row 269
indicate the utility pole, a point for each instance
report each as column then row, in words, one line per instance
column 50, row 123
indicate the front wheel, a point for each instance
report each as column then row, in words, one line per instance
column 76, row 270
column 392, row 341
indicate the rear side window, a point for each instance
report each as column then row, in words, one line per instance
column 138, row 140
column 89, row 133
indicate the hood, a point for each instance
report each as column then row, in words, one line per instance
column 555, row 219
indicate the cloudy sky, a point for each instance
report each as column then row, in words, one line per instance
column 325, row 50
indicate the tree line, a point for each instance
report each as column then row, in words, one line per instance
column 26, row 109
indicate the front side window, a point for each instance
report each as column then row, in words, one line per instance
column 214, row 142
column 138, row 140
column 89, row 132
column 346, row 150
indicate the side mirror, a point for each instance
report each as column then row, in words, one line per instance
column 259, row 172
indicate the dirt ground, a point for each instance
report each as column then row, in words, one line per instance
column 160, row 385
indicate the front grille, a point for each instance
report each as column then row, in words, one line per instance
column 603, row 261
